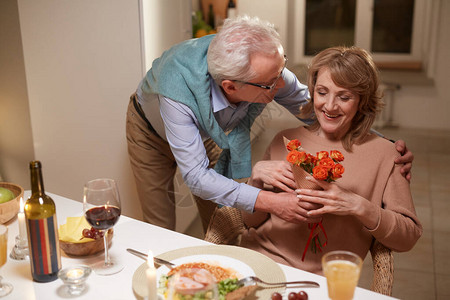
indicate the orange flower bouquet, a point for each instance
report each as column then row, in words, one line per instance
column 324, row 166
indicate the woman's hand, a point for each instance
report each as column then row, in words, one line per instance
column 406, row 159
column 276, row 173
column 338, row 201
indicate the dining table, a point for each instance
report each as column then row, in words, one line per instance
column 138, row 235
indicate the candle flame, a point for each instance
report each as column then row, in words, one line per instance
column 75, row 273
column 22, row 205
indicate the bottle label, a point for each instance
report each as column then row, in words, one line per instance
column 44, row 244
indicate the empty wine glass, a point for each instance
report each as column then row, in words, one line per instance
column 5, row 288
column 101, row 207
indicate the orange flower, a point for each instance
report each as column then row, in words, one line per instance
column 326, row 162
column 336, row 155
column 323, row 166
column 311, row 159
column 322, row 154
column 337, row 171
column 320, row 173
column 293, row 145
column 303, row 157
column 296, row 157
column 292, row 156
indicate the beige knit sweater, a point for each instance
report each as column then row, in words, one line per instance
column 369, row 172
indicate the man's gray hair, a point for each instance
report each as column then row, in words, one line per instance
column 230, row 50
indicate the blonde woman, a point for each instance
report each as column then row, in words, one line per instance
column 371, row 201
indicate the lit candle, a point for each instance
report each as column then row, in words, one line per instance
column 151, row 278
column 22, row 225
column 75, row 274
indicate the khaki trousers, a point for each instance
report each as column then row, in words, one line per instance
column 154, row 169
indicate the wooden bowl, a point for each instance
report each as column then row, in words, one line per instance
column 88, row 248
column 10, row 209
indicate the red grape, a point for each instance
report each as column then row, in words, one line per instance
column 302, row 295
column 87, row 233
column 292, row 296
column 276, row 296
column 93, row 233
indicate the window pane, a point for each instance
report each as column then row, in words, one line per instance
column 392, row 26
column 329, row 23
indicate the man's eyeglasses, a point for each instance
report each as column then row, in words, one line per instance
column 267, row 87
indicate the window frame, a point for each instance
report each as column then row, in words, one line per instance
column 420, row 45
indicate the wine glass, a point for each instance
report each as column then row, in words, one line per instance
column 5, row 288
column 101, row 207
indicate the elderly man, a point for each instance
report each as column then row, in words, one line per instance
column 194, row 109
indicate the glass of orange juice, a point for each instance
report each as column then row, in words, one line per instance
column 5, row 288
column 342, row 269
column 3, row 243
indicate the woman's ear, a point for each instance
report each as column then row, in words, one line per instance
column 229, row 86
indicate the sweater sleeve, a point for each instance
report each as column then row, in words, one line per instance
column 398, row 227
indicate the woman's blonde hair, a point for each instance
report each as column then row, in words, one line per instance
column 353, row 69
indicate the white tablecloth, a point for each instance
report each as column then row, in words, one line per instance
column 128, row 233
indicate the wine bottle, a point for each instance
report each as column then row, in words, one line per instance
column 42, row 229
column 231, row 9
column 211, row 17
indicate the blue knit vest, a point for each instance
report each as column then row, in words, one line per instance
column 181, row 74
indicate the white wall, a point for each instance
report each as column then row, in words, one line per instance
column 16, row 143
column 82, row 62
column 270, row 10
column 169, row 26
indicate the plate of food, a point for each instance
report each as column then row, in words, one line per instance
column 227, row 264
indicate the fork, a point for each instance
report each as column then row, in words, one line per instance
column 250, row 280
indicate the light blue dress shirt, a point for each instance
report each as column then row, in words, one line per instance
column 177, row 124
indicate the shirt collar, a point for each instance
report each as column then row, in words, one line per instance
column 219, row 101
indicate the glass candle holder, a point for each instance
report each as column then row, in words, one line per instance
column 74, row 278
column 20, row 250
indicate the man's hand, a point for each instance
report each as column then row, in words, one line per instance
column 276, row 173
column 286, row 206
column 406, row 159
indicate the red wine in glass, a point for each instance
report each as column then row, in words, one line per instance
column 101, row 207
column 103, row 217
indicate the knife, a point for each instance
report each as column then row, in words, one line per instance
column 157, row 260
